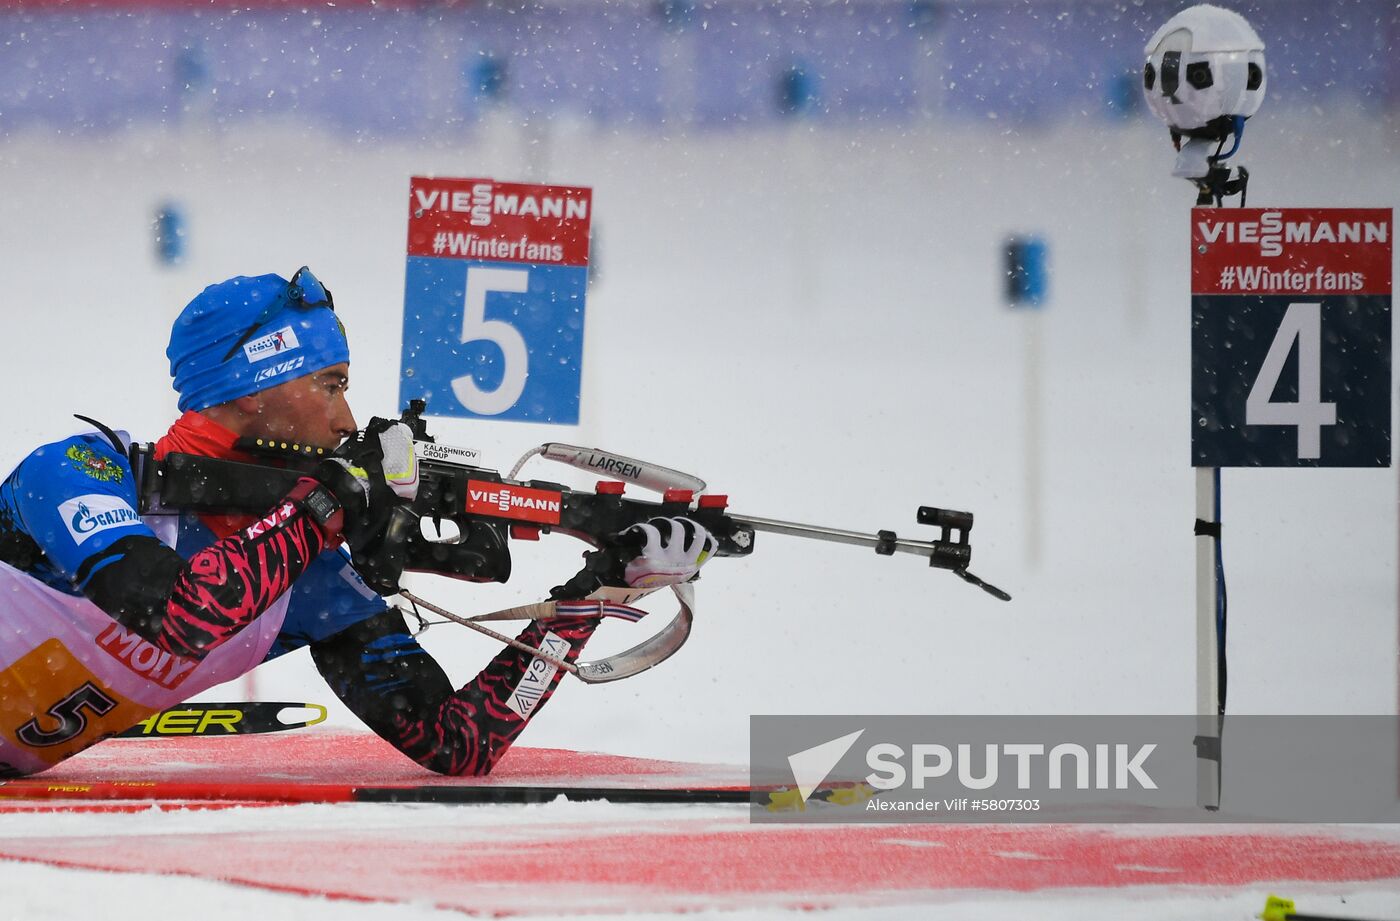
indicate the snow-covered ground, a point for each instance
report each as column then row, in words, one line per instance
column 416, row 844
column 811, row 319
column 220, row 902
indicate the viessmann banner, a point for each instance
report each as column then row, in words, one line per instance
column 1290, row 337
column 495, row 282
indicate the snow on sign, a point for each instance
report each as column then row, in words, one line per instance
column 1290, row 337
column 493, row 299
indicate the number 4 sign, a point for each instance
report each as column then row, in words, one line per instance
column 494, row 298
column 1290, row 337
column 1302, row 324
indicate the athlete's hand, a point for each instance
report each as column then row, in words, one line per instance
column 669, row 551
column 382, row 450
column 370, row 475
column 661, row 552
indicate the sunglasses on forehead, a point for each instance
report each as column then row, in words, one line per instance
column 304, row 291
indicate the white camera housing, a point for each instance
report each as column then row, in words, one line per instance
column 1204, row 68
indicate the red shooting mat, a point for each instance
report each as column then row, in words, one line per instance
column 328, row 759
column 582, row 858
column 677, row 864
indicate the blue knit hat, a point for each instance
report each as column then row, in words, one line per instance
column 247, row 334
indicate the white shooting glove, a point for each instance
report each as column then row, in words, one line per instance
column 391, row 443
column 374, row 476
column 672, row 551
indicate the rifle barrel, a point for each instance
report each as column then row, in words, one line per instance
column 835, row 535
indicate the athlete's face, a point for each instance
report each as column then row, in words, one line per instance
column 310, row 410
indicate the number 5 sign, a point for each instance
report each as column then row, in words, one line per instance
column 1290, row 337
column 494, row 297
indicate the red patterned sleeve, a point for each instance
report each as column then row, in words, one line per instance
column 469, row 731
column 229, row 583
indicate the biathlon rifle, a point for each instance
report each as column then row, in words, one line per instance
column 488, row 510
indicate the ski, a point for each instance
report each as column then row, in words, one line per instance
column 780, row 800
column 223, row 719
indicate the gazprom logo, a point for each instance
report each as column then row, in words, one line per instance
column 85, row 516
column 283, row 340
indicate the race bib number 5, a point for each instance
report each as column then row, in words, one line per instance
column 54, row 707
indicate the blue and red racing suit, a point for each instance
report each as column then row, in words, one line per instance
column 107, row 617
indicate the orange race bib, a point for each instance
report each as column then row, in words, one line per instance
column 52, row 706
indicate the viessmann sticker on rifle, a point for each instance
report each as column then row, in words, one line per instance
column 519, row 502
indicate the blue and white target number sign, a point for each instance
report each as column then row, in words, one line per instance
column 494, row 299
column 1290, row 337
